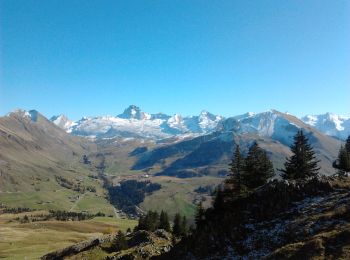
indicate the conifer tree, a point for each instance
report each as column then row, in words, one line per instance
column 343, row 161
column 152, row 220
column 142, row 224
column 257, row 168
column 200, row 216
column 234, row 182
column 177, row 225
column 347, row 145
column 149, row 222
column 303, row 163
column 219, row 199
column 120, row 241
column 184, row 228
column 164, row 221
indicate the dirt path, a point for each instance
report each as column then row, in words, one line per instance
column 77, row 201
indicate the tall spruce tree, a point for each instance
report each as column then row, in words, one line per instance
column 184, row 228
column 303, row 163
column 177, row 225
column 200, row 216
column 149, row 222
column 257, row 167
column 219, row 201
column 343, row 161
column 234, row 182
column 120, row 241
column 347, row 145
column 164, row 221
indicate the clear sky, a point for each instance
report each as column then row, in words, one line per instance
column 229, row 57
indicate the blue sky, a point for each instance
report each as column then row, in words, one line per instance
column 229, row 57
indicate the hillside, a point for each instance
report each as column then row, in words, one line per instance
column 281, row 220
column 41, row 166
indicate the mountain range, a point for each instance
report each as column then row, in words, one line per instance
column 37, row 153
column 134, row 122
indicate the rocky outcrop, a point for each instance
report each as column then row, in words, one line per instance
column 144, row 245
column 140, row 245
column 77, row 248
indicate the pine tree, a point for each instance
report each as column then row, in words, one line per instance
column 184, row 228
column 152, row 220
column 234, row 182
column 302, row 164
column 219, row 199
column 343, row 161
column 149, row 222
column 164, row 221
column 177, row 225
column 347, row 145
column 142, row 224
column 200, row 216
column 120, row 241
column 257, row 168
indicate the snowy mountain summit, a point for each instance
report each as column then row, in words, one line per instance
column 134, row 122
column 63, row 122
column 330, row 124
column 134, row 112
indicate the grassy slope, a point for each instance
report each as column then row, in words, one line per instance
column 32, row 153
column 32, row 240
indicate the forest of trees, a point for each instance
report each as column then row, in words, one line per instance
column 153, row 221
column 130, row 193
column 254, row 170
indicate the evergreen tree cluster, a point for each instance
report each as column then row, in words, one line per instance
column 15, row 210
column 131, row 193
column 153, row 221
column 250, row 172
column 343, row 161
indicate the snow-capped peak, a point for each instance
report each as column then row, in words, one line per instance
column 330, row 124
column 63, row 122
column 133, row 122
column 175, row 119
column 134, row 112
column 266, row 124
column 205, row 115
